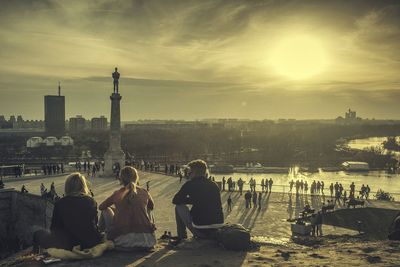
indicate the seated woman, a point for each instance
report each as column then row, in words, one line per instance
column 129, row 224
column 74, row 220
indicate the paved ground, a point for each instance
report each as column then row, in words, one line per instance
column 268, row 224
column 268, row 221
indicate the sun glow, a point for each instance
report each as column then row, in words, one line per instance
column 298, row 57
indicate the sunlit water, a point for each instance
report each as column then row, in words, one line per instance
column 361, row 144
column 375, row 179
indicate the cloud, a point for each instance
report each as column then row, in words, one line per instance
column 187, row 52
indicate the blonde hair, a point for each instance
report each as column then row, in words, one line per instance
column 76, row 184
column 199, row 168
column 129, row 178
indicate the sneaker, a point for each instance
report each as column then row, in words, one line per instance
column 175, row 241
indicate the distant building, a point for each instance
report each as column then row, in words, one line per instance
column 163, row 125
column 54, row 114
column 77, row 124
column 350, row 115
column 99, row 123
column 12, row 119
column 20, row 119
column 51, row 141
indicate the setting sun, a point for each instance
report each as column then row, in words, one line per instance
column 298, row 57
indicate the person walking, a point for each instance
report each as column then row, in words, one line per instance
column 247, row 198
column 262, row 185
column 229, row 202
column 240, row 185
column 270, row 184
column 254, row 199
column 291, row 183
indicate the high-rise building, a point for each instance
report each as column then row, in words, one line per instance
column 99, row 123
column 20, row 119
column 54, row 114
column 12, row 119
column 77, row 124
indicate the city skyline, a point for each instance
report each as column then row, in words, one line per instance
column 211, row 59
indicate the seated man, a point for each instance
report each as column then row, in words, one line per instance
column 206, row 215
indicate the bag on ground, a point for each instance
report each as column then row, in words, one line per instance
column 234, row 237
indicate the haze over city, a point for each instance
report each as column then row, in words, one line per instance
column 202, row 59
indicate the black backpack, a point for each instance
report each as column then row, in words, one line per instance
column 234, row 237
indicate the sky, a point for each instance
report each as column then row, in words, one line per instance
column 202, row 59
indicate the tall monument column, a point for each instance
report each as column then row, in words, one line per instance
column 114, row 158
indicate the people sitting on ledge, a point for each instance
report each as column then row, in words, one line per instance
column 205, row 216
column 23, row 189
column 329, row 206
column 307, row 210
column 128, row 223
column 74, row 220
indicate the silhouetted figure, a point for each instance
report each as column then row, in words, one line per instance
column 247, row 197
column 254, row 199
column 164, row 236
column 94, row 170
column 367, row 191
column 148, row 186
column 223, row 183
column 291, row 183
column 1, row 183
column 240, row 185
column 23, row 189
column 229, row 201
column 259, row 200
column 322, row 187
column 116, row 76
column 43, row 189
column 270, row 182
column 230, row 184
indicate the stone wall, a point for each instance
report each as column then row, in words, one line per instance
column 20, row 216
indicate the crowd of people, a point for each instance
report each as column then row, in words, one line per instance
column 231, row 185
column 91, row 168
column 51, row 169
column 152, row 166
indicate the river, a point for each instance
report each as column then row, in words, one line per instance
column 375, row 179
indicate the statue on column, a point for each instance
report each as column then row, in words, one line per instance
column 115, row 76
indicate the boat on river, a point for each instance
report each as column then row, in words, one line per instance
column 258, row 168
column 355, row 166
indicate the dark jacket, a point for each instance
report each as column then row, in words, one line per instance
column 75, row 221
column 205, row 197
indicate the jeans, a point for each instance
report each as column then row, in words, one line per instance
column 184, row 220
